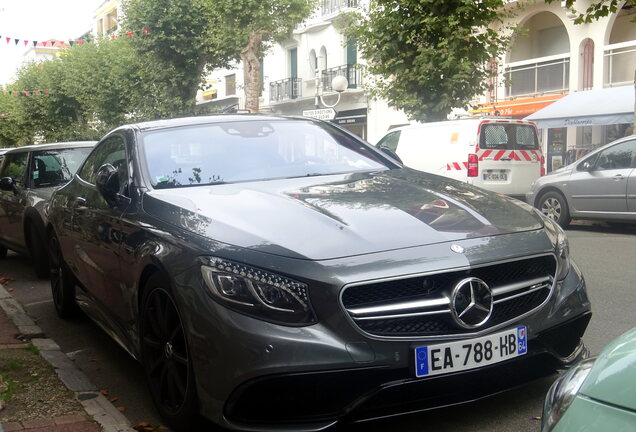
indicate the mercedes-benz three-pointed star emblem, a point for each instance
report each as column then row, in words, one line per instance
column 471, row 303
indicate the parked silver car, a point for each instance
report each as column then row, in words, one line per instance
column 28, row 177
column 602, row 185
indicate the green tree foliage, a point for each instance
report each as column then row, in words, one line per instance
column 594, row 10
column 182, row 43
column 429, row 56
column 91, row 89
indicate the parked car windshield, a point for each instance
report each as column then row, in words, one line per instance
column 508, row 136
column 252, row 150
column 55, row 167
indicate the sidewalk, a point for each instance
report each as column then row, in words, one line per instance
column 36, row 361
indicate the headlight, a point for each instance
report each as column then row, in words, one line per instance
column 257, row 292
column 561, row 245
column 562, row 394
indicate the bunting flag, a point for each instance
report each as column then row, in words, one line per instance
column 24, row 92
column 71, row 42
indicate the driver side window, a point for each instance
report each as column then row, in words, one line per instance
column 111, row 151
column 619, row 156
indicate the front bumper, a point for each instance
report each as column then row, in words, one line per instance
column 370, row 393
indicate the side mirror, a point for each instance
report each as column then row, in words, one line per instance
column 107, row 182
column 587, row 166
column 391, row 154
column 7, row 184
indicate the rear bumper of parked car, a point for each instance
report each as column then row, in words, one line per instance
column 308, row 378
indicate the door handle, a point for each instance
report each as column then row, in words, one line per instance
column 618, row 177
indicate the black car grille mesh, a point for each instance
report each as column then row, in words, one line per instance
column 509, row 306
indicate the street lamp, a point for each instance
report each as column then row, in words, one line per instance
column 338, row 83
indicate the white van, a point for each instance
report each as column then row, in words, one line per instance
column 501, row 155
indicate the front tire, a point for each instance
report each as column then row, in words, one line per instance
column 553, row 205
column 166, row 356
column 62, row 282
column 3, row 252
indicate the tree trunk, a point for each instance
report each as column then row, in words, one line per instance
column 251, row 70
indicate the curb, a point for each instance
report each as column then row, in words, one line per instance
column 94, row 403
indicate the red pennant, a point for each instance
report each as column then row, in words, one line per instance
column 46, row 92
column 15, row 93
column 81, row 41
column 8, row 39
column 44, row 43
column 37, row 92
column 145, row 31
column 6, row 92
column 26, row 93
column 129, row 34
column 112, row 37
column 26, row 42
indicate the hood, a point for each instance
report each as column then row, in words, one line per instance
column 614, row 370
column 341, row 215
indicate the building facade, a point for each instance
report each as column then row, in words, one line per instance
column 551, row 57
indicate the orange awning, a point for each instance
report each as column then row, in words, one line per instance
column 517, row 107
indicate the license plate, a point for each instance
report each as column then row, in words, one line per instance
column 496, row 176
column 471, row 353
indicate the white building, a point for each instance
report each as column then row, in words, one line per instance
column 553, row 57
column 289, row 77
column 548, row 60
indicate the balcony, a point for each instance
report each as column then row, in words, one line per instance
column 286, row 89
column 330, row 7
column 353, row 74
column 620, row 63
column 537, row 76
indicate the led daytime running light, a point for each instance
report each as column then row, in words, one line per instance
column 296, row 289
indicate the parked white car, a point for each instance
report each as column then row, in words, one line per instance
column 501, row 155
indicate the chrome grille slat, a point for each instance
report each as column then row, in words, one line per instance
column 518, row 288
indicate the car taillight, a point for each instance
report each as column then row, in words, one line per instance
column 542, row 166
column 473, row 165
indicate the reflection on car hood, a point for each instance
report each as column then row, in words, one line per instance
column 612, row 377
column 340, row 215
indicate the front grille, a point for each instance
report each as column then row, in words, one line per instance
column 421, row 306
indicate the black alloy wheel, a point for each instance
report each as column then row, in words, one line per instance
column 166, row 357
column 62, row 282
column 554, row 206
column 38, row 251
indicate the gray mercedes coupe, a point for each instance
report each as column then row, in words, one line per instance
column 276, row 273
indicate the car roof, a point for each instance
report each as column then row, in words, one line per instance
column 211, row 119
column 52, row 146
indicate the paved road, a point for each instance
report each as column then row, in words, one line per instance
column 606, row 256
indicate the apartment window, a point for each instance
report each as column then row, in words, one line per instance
column 230, row 85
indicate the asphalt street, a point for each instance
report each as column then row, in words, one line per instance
column 604, row 253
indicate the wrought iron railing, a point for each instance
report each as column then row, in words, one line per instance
column 333, row 6
column 620, row 63
column 286, row 89
column 536, row 76
column 353, row 74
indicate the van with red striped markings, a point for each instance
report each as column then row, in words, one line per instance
column 501, row 155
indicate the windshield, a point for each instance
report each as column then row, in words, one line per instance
column 252, row 150
column 55, row 167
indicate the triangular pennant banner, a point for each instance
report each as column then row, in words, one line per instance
column 129, row 34
column 35, row 43
column 71, row 43
column 145, row 31
column 16, row 41
column 8, row 39
column 37, row 92
column 80, row 42
column 44, row 43
column 26, row 42
column 46, row 92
